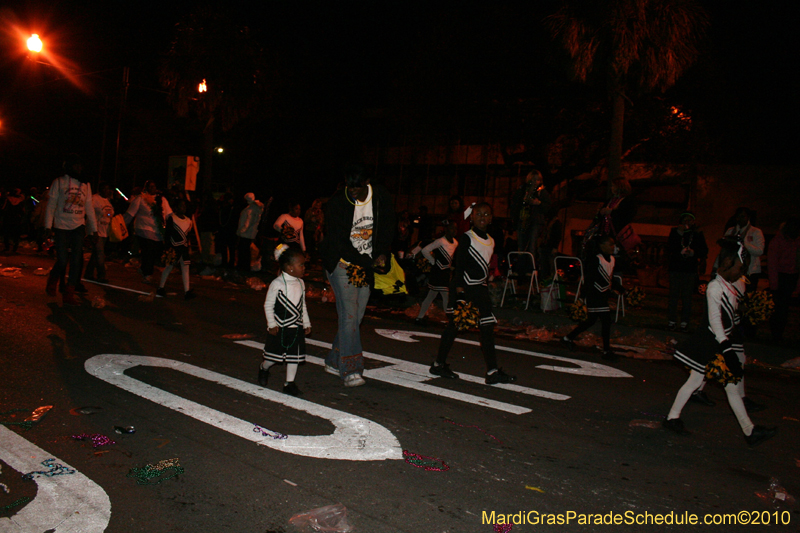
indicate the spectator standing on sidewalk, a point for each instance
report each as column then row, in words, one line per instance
column 103, row 211
column 13, row 208
column 226, row 236
column 208, row 226
column 530, row 206
column 359, row 226
column 290, row 227
column 247, row 230
column 70, row 214
column 783, row 256
column 687, row 252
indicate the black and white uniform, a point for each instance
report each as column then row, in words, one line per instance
column 600, row 280
column 722, row 299
column 178, row 236
column 285, row 308
column 440, row 255
column 472, row 273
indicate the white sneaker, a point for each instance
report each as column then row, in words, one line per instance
column 354, row 380
column 331, row 370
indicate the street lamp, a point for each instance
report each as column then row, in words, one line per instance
column 34, row 43
column 202, row 87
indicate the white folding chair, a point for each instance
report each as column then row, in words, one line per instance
column 569, row 261
column 620, row 302
column 510, row 277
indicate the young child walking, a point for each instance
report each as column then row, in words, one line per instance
column 287, row 318
column 474, row 252
column 600, row 281
column 177, row 238
column 440, row 255
column 723, row 337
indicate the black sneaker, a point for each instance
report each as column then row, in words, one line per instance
column 499, row 377
column 759, row 435
column 672, row 326
column 675, row 425
column 751, row 406
column 291, row 389
column 610, row 355
column 569, row 343
column 699, row 396
column 161, row 292
column 263, row 377
column 684, row 327
column 443, row 371
column 188, row 295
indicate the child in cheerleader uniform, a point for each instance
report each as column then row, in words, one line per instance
column 600, row 281
column 287, row 318
column 177, row 237
column 474, row 252
column 440, row 255
column 718, row 351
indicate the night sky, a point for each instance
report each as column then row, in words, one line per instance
column 349, row 73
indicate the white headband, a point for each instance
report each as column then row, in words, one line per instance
column 279, row 250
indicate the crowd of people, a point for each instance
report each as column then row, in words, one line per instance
column 356, row 235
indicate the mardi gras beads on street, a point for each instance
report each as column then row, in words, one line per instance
column 98, row 439
column 433, row 465
column 161, row 471
column 56, row 469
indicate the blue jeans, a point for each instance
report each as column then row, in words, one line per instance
column 351, row 303
column 69, row 251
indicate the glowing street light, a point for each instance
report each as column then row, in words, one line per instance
column 34, row 43
column 220, row 150
column 202, row 87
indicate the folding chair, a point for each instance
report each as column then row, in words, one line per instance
column 620, row 301
column 569, row 260
column 510, row 277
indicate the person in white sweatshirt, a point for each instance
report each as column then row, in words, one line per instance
column 150, row 210
column 70, row 216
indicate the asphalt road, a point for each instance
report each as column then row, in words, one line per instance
column 560, row 443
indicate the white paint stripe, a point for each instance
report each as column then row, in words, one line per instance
column 120, row 288
column 410, row 375
column 354, row 438
column 69, row 503
column 585, row 368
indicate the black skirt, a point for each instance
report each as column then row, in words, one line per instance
column 438, row 279
column 288, row 346
column 702, row 347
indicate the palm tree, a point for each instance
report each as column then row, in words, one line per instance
column 635, row 45
column 210, row 47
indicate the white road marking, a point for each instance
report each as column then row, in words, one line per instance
column 412, row 375
column 70, row 503
column 354, row 438
column 121, row 288
column 585, row 368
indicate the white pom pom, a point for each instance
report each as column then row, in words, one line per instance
column 279, row 250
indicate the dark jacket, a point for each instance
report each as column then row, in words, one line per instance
column 693, row 239
column 339, row 221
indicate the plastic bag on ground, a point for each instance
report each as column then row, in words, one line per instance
column 329, row 519
column 776, row 496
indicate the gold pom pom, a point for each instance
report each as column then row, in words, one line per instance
column 423, row 264
column 756, row 307
column 465, row 316
column 635, row 297
column 168, row 257
column 356, row 276
column 577, row 311
column 717, row 370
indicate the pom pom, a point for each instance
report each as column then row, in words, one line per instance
column 423, row 264
column 279, row 250
column 465, row 315
column 356, row 276
column 756, row 307
column 577, row 311
column 717, row 370
column 168, row 257
column 635, row 297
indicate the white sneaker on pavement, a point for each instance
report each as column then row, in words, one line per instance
column 354, row 380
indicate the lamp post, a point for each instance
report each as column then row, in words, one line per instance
column 34, row 43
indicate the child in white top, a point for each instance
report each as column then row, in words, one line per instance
column 287, row 318
column 440, row 254
column 290, row 226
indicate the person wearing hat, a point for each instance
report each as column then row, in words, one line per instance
column 753, row 239
column 686, row 252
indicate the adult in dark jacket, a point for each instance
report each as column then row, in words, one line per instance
column 359, row 227
column 686, row 252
